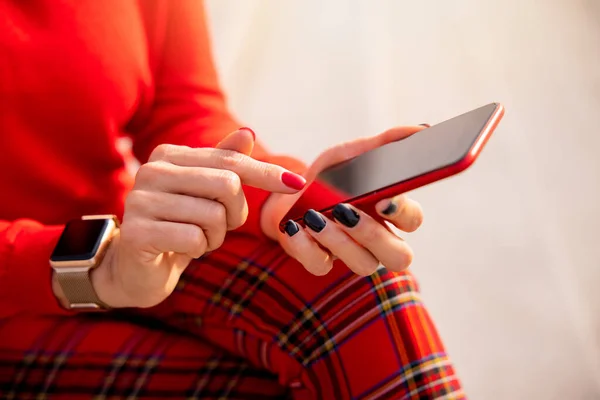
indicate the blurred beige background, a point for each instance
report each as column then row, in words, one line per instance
column 509, row 255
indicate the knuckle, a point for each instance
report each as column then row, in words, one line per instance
column 196, row 236
column 136, row 201
column 229, row 159
column 239, row 217
column 161, row 152
column 218, row 213
column 148, row 172
column 143, row 174
column 402, row 261
column 408, row 258
column 213, row 228
column 196, row 239
column 215, row 241
column 231, row 182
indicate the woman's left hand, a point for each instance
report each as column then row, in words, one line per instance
column 352, row 236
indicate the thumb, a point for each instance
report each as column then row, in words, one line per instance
column 241, row 141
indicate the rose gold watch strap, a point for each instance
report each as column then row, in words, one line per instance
column 79, row 291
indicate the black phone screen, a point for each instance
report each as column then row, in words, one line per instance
column 430, row 149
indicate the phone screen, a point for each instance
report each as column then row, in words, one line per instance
column 430, row 149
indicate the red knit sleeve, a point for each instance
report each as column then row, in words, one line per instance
column 25, row 272
column 188, row 106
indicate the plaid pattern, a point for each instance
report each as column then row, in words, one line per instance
column 245, row 322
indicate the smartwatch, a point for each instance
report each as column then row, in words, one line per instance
column 81, row 247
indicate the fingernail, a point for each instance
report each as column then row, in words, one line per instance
column 425, row 125
column 314, row 221
column 390, row 209
column 345, row 215
column 293, row 181
column 291, row 228
column 249, row 130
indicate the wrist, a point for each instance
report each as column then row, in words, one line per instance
column 102, row 277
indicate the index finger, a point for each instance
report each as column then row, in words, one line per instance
column 259, row 174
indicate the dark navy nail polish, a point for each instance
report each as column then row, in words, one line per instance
column 390, row 209
column 314, row 220
column 345, row 215
column 291, row 228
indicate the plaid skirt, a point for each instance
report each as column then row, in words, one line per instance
column 245, row 322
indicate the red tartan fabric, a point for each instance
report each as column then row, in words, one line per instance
column 246, row 322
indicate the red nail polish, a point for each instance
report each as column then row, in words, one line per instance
column 425, row 125
column 293, row 181
column 249, row 130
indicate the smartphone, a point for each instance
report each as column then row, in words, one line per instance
column 430, row 155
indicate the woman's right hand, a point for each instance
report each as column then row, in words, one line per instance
column 182, row 204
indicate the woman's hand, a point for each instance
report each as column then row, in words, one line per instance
column 183, row 202
column 353, row 236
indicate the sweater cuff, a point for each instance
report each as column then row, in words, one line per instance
column 25, row 271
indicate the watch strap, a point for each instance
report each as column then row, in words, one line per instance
column 78, row 289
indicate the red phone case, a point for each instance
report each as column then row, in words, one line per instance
column 367, row 201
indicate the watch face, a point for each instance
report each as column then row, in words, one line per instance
column 80, row 240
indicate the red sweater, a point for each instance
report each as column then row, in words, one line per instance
column 75, row 76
